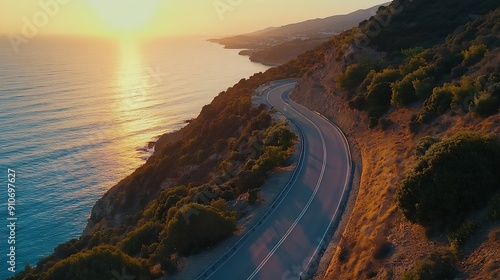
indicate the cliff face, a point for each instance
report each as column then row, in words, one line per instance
column 376, row 241
column 105, row 213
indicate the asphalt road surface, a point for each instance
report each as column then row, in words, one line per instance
column 289, row 238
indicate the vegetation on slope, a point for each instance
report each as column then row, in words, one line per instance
column 182, row 200
column 454, row 177
column 458, row 74
column 437, row 64
column 417, row 70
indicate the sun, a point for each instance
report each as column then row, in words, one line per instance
column 126, row 15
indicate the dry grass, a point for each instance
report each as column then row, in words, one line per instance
column 377, row 243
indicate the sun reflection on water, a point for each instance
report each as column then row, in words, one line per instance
column 134, row 95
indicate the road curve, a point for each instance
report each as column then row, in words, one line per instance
column 289, row 237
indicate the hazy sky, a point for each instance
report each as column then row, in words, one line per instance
column 147, row 18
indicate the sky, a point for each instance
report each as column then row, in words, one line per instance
column 161, row 18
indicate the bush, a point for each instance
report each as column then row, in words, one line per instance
column 485, row 104
column 462, row 91
column 412, row 52
column 454, row 177
column 354, row 75
column 423, row 88
column 98, row 263
column 195, row 227
column 403, row 92
column 474, row 54
column 436, row 266
column 253, row 179
column 279, row 135
column 459, row 236
column 412, row 65
column 169, row 198
column 425, row 143
column 439, row 102
column 380, row 95
column 144, row 235
column 387, row 75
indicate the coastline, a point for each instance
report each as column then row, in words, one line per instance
column 250, row 53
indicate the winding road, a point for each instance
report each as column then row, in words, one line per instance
column 291, row 234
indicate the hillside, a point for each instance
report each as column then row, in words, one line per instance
column 189, row 196
column 416, row 89
column 277, row 45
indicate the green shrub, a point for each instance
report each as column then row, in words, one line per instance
column 279, row 135
column 436, row 266
column 474, row 54
column 485, row 104
column 412, row 65
column 458, row 237
column 102, row 262
column 454, row 177
column 412, row 52
column 425, row 143
column 462, row 91
column 403, row 92
column 195, row 227
column 169, row 198
column 354, row 75
column 380, row 95
column 387, row 75
column 439, row 102
column 253, row 179
column 423, row 88
column 144, row 235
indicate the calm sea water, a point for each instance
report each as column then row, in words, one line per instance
column 76, row 116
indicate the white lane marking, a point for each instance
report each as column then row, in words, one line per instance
column 346, row 182
column 271, row 253
column 291, row 183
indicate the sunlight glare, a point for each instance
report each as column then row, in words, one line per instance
column 125, row 14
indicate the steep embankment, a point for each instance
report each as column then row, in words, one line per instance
column 417, row 69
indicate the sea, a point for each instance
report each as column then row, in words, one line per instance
column 76, row 116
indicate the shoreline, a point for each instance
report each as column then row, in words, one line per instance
column 246, row 52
